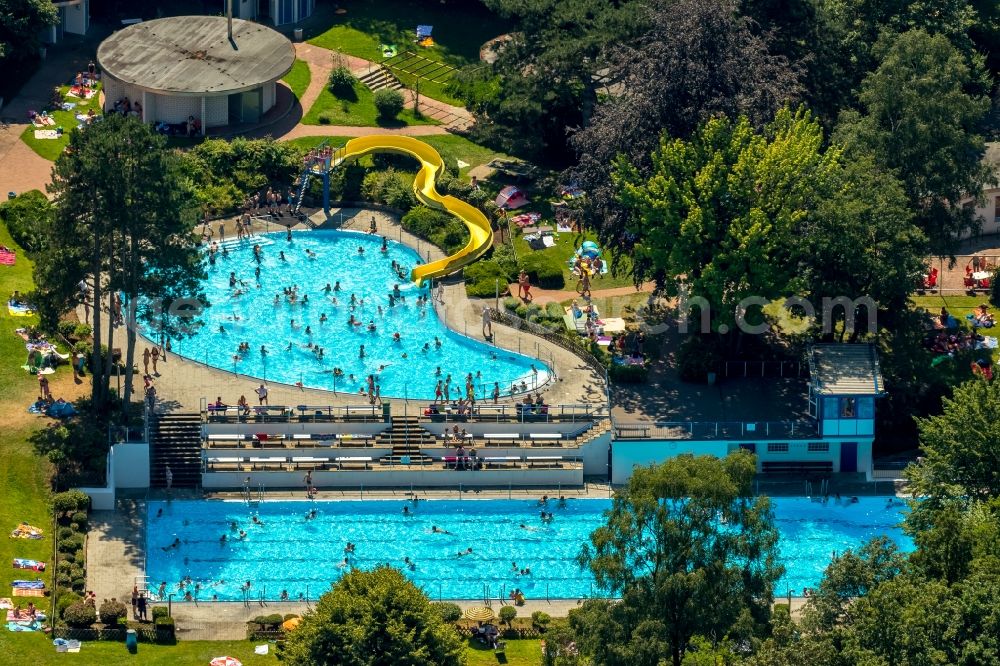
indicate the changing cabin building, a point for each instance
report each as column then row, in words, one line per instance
column 186, row 66
column 799, row 426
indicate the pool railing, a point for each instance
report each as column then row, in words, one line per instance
column 715, row 430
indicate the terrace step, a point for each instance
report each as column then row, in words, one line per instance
column 175, row 440
column 380, row 78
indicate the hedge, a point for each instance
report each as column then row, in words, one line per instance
column 545, row 271
column 439, row 228
column 481, row 279
column 24, row 216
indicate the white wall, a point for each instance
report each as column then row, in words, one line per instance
column 174, row 109
column 625, row 455
column 269, row 97
column 131, row 465
column 595, row 456
column 114, row 90
column 245, row 9
column 481, row 429
column 987, row 211
column 400, row 479
column 77, row 18
column 216, row 111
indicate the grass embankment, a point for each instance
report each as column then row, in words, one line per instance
column 357, row 109
column 298, row 77
column 50, row 149
column 460, row 29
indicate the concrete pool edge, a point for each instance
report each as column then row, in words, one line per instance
column 572, row 382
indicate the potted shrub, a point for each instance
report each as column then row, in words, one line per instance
column 80, row 614
column 112, row 611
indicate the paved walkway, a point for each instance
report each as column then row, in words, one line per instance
column 543, row 296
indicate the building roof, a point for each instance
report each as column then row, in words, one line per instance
column 192, row 55
column 845, row 369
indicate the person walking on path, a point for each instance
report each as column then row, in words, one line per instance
column 43, row 387
column 155, row 357
column 145, row 361
column 524, row 287
column 261, row 392
column 141, row 603
column 135, row 602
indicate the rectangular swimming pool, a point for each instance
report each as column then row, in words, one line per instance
column 289, row 553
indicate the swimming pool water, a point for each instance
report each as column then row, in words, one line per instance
column 408, row 368
column 303, row 556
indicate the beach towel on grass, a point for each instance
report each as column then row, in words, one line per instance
column 46, row 134
column 34, row 565
column 7, row 258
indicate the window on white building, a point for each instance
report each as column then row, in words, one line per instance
column 819, row 447
column 777, row 447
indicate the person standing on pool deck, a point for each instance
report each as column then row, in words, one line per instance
column 308, row 480
column 487, row 324
column 373, row 226
column 261, row 392
column 168, row 475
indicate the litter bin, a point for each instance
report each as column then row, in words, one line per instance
column 298, row 34
column 386, row 411
column 12, row 195
column 131, row 641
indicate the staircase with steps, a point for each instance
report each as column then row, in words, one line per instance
column 405, row 436
column 176, row 441
column 379, row 78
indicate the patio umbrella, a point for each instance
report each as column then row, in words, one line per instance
column 291, row 623
column 479, row 613
column 225, row 661
column 511, row 197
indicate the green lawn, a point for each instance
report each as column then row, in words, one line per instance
column 356, row 111
column 958, row 305
column 23, row 476
column 37, row 650
column 298, row 78
column 566, row 245
column 460, row 29
column 50, row 149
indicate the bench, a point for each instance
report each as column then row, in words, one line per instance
column 502, row 438
column 544, row 461
column 308, row 462
column 797, row 467
column 502, row 461
column 360, row 413
column 545, row 438
column 225, row 464
column 264, row 464
column 351, row 461
column 633, row 432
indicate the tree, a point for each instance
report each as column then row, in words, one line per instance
column 961, row 446
column 545, row 79
column 724, row 211
column 124, row 223
column 923, row 112
column 373, row 618
column 691, row 552
column 696, row 59
column 21, row 22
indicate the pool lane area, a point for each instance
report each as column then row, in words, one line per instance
column 323, row 311
column 287, row 551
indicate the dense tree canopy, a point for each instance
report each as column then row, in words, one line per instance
column 695, row 59
column 123, row 223
column 691, row 552
column 373, row 618
column 924, row 108
column 21, row 22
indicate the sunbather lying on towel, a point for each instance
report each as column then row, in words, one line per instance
column 26, row 531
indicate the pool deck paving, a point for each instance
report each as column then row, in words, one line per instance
column 182, row 384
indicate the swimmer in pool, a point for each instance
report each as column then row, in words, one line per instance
column 427, row 346
column 175, row 544
column 406, row 511
column 309, row 330
column 281, row 256
column 437, row 530
column 385, row 244
column 291, row 323
column 410, row 564
column 263, row 350
column 437, row 342
column 361, row 351
column 327, row 289
column 371, row 325
column 467, row 551
column 396, row 337
column 222, row 329
column 361, row 250
column 222, row 539
column 525, row 527
column 322, row 317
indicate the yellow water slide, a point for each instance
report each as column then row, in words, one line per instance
column 431, row 164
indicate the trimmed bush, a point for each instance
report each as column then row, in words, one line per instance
column 79, row 584
column 71, row 500
column 80, row 614
column 437, row 227
column 159, row 611
column 449, row 612
column 507, row 614
column 64, row 533
column 481, row 279
column 541, row 619
column 545, row 271
column 554, row 311
column 388, row 103
column 628, row 374
column 65, row 600
column 63, row 579
column 72, row 543
column 80, row 518
column 341, row 81
column 112, row 611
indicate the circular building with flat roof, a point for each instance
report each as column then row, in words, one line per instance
column 187, row 66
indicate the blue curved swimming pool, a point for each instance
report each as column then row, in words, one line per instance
column 247, row 307
column 300, row 556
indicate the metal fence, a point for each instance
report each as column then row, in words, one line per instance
column 714, row 430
